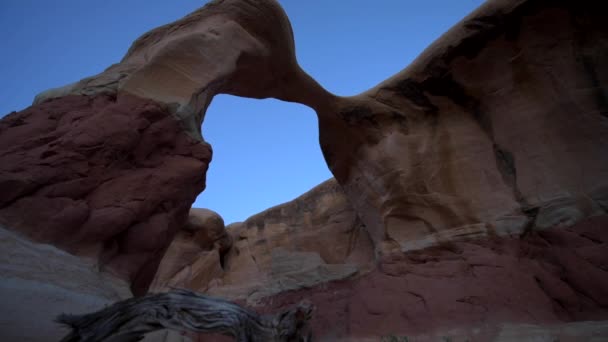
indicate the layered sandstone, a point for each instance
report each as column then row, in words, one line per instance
column 39, row 282
column 498, row 289
column 196, row 254
column 498, row 126
column 274, row 251
column 238, row 47
column 111, row 164
column 313, row 239
column 447, row 148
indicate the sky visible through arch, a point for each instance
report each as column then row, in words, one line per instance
column 266, row 152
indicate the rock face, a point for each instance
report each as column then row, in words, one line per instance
column 472, row 290
column 39, row 282
column 500, row 125
column 470, row 188
column 278, row 250
column 115, row 169
column 239, row 47
column 313, row 239
column 195, row 256
column 103, row 177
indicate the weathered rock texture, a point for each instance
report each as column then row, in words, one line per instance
column 474, row 290
column 313, row 239
column 449, row 147
column 180, row 309
column 196, row 254
column 239, row 47
column 500, row 125
column 111, row 178
column 39, row 282
column 113, row 171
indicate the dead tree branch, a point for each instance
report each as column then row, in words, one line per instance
column 183, row 310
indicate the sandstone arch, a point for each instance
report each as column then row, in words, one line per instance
column 447, row 148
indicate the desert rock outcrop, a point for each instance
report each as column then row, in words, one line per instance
column 481, row 290
column 278, row 250
column 39, row 282
column 313, row 239
column 447, row 148
column 108, row 178
column 238, row 47
column 195, row 255
column 497, row 127
column 470, row 188
column 112, row 163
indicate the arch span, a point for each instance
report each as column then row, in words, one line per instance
column 498, row 126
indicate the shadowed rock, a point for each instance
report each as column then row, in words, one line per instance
column 111, row 179
column 195, row 256
column 498, row 128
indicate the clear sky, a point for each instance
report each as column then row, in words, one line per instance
column 266, row 152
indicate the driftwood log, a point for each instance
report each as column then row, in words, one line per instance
column 184, row 310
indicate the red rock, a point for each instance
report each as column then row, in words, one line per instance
column 108, row 178
column 474, row 138
column 481, row 284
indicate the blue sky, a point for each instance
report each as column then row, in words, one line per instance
column 266, row 152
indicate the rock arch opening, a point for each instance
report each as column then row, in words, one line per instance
column 280, row 160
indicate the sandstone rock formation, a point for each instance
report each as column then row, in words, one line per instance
column 39, row 282
column 66, row 158
column 108, row 178
column 196, row 254
column 480, row 290
column 474, row 179
column 497, row 127
column 436, row 148
column 239, row 47
column 313, row 239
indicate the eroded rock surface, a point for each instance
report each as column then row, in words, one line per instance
column 113, row 162
column 238, row 47
column 110, row 178
column 314, row 239
column 498, row 126
column 477, row 290
column 450, row 147
column 39, row 282
column 195, row 256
